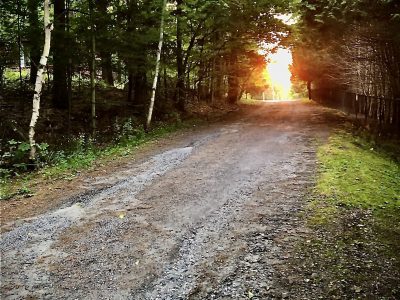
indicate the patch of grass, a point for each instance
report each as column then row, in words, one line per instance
column 353, row 250
column 13, row 74
column 250, row 101
column 355, row 174
column 67, row 166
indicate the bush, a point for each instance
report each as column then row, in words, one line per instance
column 15, row 158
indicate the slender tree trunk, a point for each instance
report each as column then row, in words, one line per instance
column 60, row 93
column 39, row 79
column 212, row 85
column 140, row 86
column 103, row 42
column 106, row 67
column 219, row 80
column 159, row 50
column 130, row 86
column 309, row 90
column 201, row 72
column 19, row 43
column 35, row 41
column 1, row 76
column 165, row 78
column 93, row 67
column 69, row 68
column 233, row 79
column 180, row 86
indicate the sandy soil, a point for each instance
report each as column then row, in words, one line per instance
column 204, row 216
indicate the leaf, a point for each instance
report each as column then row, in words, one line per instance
column 250, row 295
column 121, row 215
column 13, row 142
column 24, row 147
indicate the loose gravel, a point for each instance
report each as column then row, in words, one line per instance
column 203, row 221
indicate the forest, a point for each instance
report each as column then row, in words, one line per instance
column 111, row 63
column 200, row 149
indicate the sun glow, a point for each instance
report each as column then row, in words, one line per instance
column 278, row 73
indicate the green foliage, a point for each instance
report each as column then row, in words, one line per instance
column 333, row 38
column 15, row 158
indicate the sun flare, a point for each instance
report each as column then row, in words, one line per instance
column 278, row 73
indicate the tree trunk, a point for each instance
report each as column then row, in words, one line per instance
column 233, row 79
column 60, row 93
column 93, row 67
column 35, row 41
column 69, row 67
column 130, row 86
column 103, row 42
column 39, row 79
column 180, row 86
column 140, row 88
column 106, row 67
column 1, row 76
column 309, row 90
column 212, row 85
column 219, row 78
column 19, row 42
column 159, row 50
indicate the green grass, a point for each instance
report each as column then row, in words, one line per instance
column 354, row 214
column 67, row 166
column 353, row 173
column 250, row 101
column 13, row 75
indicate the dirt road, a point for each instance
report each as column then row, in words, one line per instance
column 204, row 218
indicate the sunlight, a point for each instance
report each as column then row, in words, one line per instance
column 278, row 73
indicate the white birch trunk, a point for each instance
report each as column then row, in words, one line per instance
column 39, row 79
column 154, row 88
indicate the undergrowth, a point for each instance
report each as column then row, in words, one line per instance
column 66, row 164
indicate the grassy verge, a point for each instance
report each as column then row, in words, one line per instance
column 66, row 167
column 353, row 251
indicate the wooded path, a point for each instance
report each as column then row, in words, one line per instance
column 208, row 216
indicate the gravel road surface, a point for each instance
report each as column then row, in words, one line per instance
column 204, row 218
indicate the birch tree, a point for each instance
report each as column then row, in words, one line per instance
column 154, row 87
column 39, row 79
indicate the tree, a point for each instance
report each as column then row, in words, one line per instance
column 103, row 41
column 39, row 79
column 351, row 44
column 180, row 85
column 34, row 41
column 92, row 65
column 158, row 59
column 60, row 92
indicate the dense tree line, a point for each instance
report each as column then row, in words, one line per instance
column 209, row 44
column 353, row 46
column 210, row 51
